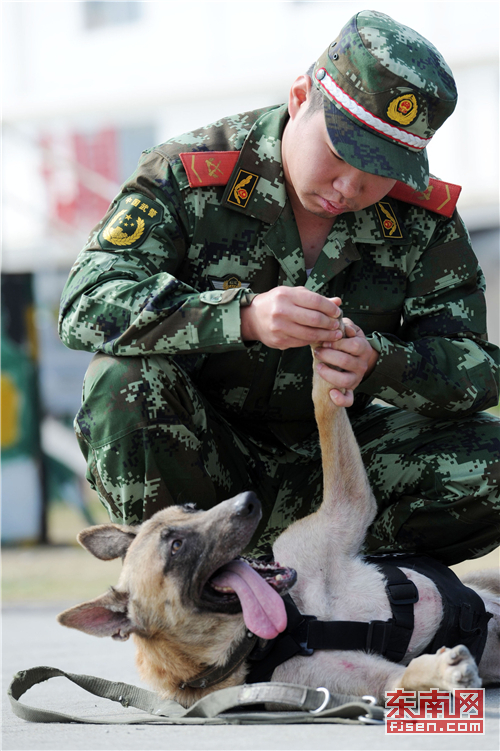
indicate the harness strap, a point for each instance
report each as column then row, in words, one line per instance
column 308, row 704
column 268, row 655
column 388, row 638
column 368, row 637
column 465, row 619
column 402, row 594
column 304, row 633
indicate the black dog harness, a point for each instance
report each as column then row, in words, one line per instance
column 464, row 621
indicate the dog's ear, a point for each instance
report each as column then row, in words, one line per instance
column 104, row 616
column 107, row 541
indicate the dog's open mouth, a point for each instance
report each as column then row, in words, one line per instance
column 255, row 588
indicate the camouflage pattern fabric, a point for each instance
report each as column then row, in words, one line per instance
column 151, row 439
column 158, row 290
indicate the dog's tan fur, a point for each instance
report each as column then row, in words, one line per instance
column 176, row 639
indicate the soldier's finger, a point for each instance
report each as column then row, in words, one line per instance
column 347, row 377
column 315, row 319
column 344, row 398
column 295, row 335
column 313, row 301
column 351, row 329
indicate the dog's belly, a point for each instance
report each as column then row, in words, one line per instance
column 360, row 595
column 428, row 613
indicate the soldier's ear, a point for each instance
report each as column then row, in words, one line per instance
column 299, row 93
column 107, row 541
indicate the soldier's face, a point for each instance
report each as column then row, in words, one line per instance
column 317, row 179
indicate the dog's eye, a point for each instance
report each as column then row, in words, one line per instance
column 176, row 546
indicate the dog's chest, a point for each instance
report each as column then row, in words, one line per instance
column 354, row 592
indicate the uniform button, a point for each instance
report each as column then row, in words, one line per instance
column 320, row 74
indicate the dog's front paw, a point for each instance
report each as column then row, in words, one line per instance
column 456, row 668
column 447, row 669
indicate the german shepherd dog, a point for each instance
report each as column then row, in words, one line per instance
column 191, row 601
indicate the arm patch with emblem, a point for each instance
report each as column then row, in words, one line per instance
column 130, row 224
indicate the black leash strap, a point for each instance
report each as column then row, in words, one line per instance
column 236, row 705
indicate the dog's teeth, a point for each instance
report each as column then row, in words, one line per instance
column 278, row 577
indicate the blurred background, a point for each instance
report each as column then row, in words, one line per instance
column 86, row 87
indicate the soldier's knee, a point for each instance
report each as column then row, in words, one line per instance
column 106, row 372
column 135, row 375
column 124, row 394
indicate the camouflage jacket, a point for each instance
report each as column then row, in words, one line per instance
column 167, row 269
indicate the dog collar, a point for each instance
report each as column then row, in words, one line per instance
column 217, row 673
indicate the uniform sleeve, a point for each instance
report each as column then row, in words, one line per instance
column 440, row 364
column 125, row 295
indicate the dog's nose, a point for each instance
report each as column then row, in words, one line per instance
column 246, row 504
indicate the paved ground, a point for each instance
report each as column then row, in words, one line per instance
column 31, row 636
column 40, row 582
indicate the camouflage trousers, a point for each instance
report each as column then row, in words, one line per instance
column 151, row 439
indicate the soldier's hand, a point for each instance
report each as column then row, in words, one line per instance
column 353, row 355
column 286, row 317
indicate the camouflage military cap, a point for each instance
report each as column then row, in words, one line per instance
column 386, row 92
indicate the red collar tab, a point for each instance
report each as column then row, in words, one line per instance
column 439, row 197
column 205, row 168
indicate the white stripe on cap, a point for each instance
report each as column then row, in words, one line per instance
column 366, row 117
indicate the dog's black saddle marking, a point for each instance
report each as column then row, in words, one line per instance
column 464, row 621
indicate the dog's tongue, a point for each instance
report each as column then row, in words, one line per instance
column 263, row 609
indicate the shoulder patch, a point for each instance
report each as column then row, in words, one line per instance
column 439, row 197
column 134, row 218
column 205, row 168
column 388, row 221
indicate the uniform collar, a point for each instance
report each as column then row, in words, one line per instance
column 371, row 226
column 257, row 184
column 256, row 188
column 380, row 224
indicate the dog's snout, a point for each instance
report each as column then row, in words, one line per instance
column 246, row 504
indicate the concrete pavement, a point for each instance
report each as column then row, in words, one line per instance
column 31, row 637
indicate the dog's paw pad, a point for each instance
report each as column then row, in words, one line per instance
column 457, row 668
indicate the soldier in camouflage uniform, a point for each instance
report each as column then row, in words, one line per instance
column 227, row 253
